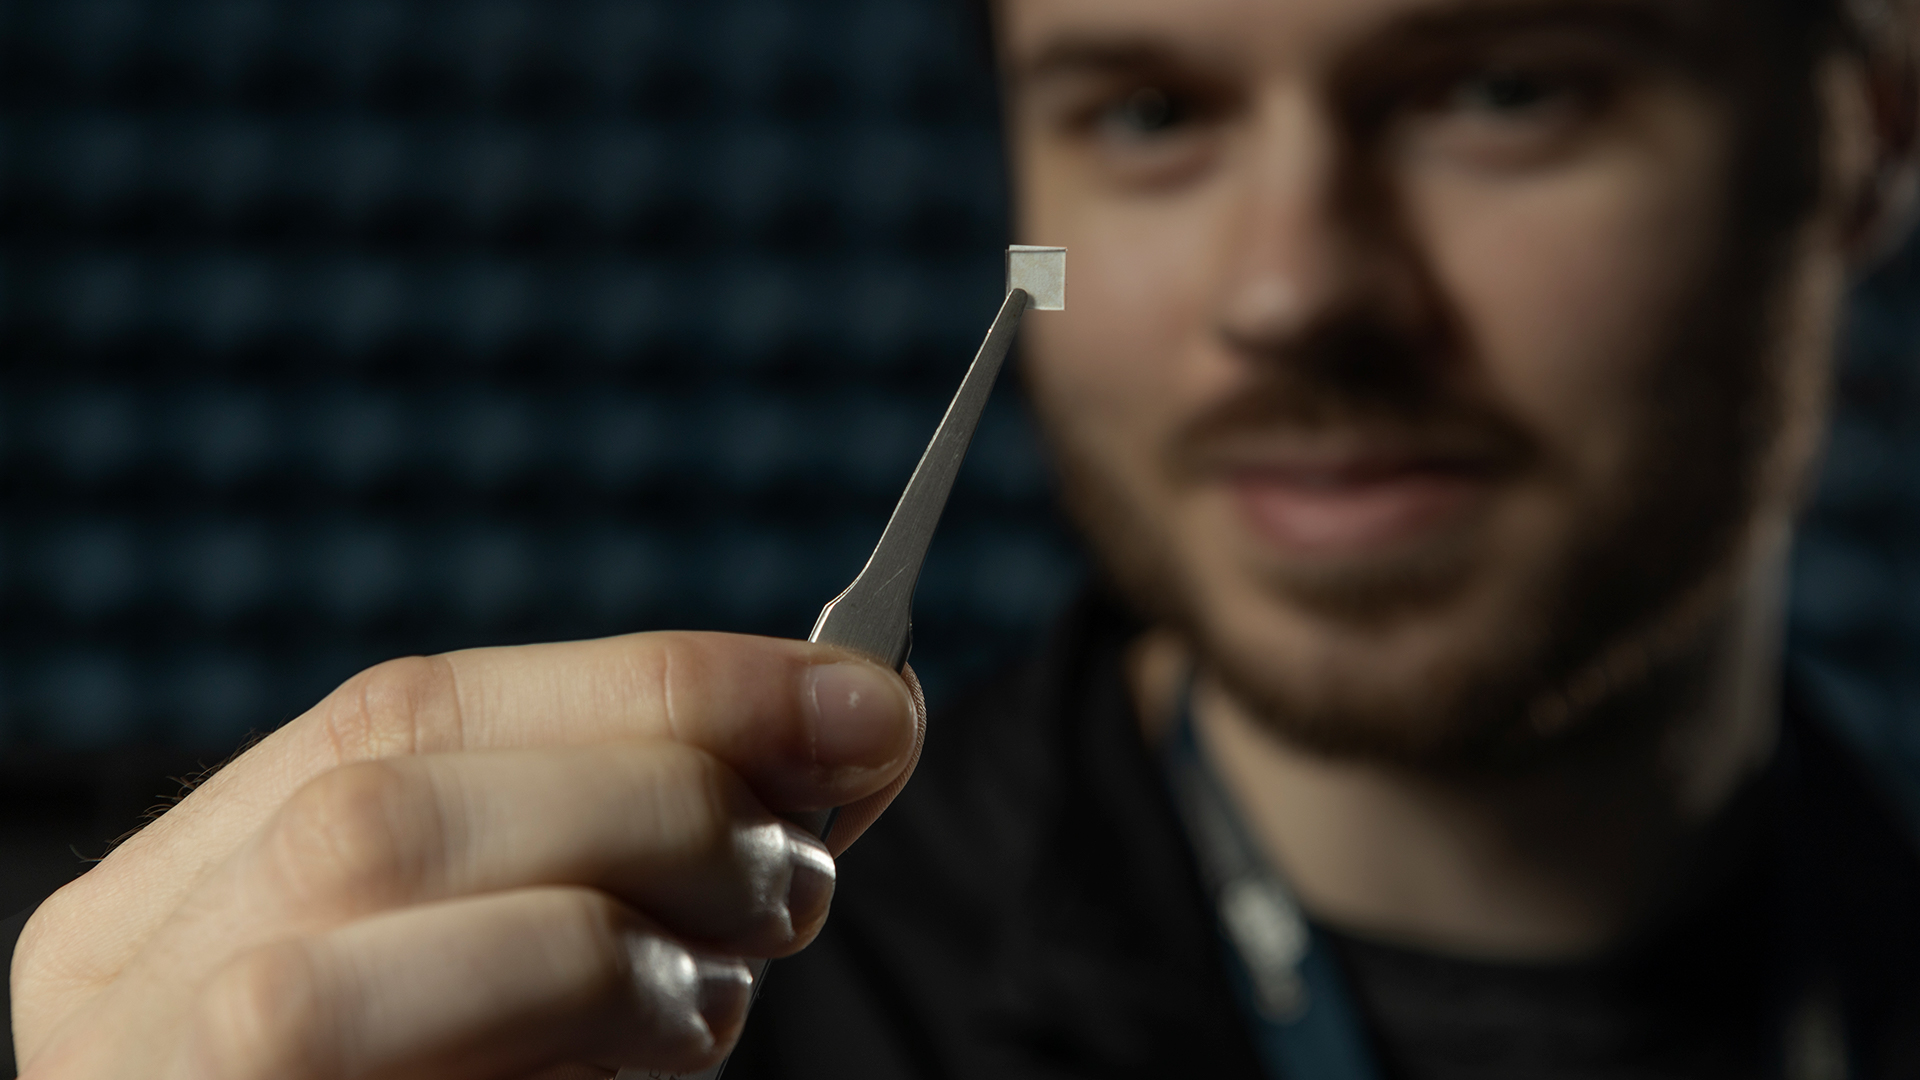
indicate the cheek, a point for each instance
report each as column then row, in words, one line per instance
column 1127, row 361
column 1570, row 285
column 1095, row 393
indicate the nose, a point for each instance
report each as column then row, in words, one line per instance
column 1307, row 242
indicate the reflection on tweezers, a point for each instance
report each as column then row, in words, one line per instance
column 875, row 614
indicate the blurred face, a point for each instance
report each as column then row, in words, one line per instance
column 1428, row 362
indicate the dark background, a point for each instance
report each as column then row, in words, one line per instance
column 333, row 330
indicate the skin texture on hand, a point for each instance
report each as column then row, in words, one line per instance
column 499, row 863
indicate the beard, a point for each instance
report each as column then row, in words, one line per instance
column 1620, row 620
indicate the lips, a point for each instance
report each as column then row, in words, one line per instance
column 1352, row 503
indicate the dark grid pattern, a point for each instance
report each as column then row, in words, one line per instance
column 336, row 329
column 1856, row 597
column 339, row 329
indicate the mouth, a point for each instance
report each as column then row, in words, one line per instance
column 1358, row 502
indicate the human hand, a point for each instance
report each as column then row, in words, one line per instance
column 538, row 861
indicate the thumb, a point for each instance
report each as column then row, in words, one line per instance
column 855, row 818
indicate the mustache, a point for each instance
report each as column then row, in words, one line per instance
column 1360, row 376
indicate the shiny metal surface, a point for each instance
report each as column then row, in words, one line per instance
column 875, row 613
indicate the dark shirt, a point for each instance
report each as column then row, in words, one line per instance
column 1030, row 908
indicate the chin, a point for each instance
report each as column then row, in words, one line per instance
column 1378, row 676
column 1427, row 647
column 1498, row 662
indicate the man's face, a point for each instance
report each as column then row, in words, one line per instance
column 1425, row 361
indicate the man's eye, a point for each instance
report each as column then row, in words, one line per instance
column 1144, row 113
column 1507, row 92
column 1509, row 115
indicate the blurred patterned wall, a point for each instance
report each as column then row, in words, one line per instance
column 339, row 329
column 334, row 330
column 1855, row 644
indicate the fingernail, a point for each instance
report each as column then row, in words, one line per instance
column 726, row 989
column 811, row 885
column 689, row 1000
column 858, row 714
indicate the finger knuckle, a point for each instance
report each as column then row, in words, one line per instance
column 708, row 826
column 702, row 684
column 263, row 1014
column 582, row 930
column 693, row 799
column 361, row 834
column 649, row 989
column 393, row 708
column 675, row 672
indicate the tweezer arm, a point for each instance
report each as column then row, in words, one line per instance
column 875, row 613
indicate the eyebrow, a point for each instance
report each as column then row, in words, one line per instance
column 1647, row 19
column 1088, row 54
column 1080, row 54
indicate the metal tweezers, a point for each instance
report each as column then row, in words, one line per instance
column 874, row 616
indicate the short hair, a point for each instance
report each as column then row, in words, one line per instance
column 1879, row 27
column 1882, row 30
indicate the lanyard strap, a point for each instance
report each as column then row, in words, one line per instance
column 1288, row 980
column 1290, row 983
